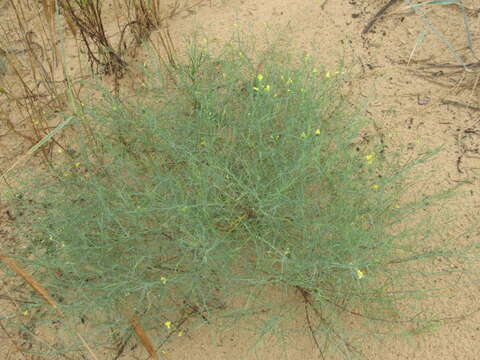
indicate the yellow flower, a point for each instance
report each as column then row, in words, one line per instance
column 267, row 88
column 77, row 164
column 369, row 158
column 396, row 206
column 25, row 313
column 163, row 280
column 260, row 77
column 328, row 75
column 168, row 324
column 303, row 135
column 314, row 70
column 375, row 187
column 255, row 88
column 360, row 274
column 289, row 81
column 317, row 132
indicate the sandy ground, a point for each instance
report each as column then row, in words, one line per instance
column 414, row 104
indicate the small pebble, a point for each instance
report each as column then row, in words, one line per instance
column 423, row 101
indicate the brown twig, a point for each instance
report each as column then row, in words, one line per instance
column 380, row 12
column 459, row 104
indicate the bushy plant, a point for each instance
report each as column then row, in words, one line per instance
column 220, row 178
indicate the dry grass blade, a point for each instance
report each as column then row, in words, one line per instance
column 142, row 335
column 29, row 279
column 49, row 11
column 37, row 146
column 42, row 292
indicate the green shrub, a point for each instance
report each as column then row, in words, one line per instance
column 216, row 181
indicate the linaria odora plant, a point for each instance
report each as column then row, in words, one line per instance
column 211, row 187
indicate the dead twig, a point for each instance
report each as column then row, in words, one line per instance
column 459, row 104
column 380, row 12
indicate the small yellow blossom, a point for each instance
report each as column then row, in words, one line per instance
column 66, row 174
column 168, row 324
column 360, row 274
column 328, row 75
column 267, row 88
column 369, row 158
column 314, row 70
column 375, row 187
column 260, row 77
column 303, row 135
column 289, row 81
column 163, row 280
column 318, row 132
column 25, row 313
column 255, row 88
column 77, row 164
